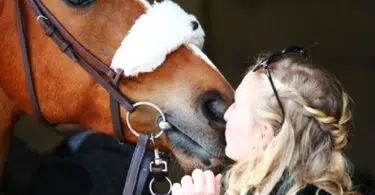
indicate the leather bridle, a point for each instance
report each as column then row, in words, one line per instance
column 142, row 159
column 79, row 54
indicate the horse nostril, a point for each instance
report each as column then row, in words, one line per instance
column 213, row 108
column 216, row 109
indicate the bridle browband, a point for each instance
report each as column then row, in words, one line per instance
column 141, row 163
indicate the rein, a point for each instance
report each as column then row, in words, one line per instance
column 142, row 159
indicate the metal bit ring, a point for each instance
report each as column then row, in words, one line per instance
column 164, row 120
column 41, row 17
column 152, row 181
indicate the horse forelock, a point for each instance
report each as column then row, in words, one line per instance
column 162, row 29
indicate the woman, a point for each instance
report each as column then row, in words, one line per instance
column 286, row 131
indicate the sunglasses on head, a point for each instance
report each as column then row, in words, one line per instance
column 265, row 64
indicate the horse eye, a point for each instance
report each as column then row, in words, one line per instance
column 79, row 3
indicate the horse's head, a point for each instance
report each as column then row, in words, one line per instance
column 163, row 67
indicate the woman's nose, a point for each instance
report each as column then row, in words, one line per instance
column 226, row 114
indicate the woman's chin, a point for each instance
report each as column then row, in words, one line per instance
column 229, row 154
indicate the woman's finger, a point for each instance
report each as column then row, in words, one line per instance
column 218, row 183
column 198, row 180
column 210, row 182
column 177, row 189
column 187, row 184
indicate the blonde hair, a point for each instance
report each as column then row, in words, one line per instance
column 307, row 148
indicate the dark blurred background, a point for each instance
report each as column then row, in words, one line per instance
column 338, row 34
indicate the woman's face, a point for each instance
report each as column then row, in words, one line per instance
column 243, row 134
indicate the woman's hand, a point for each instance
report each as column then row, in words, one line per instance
column 200, row 183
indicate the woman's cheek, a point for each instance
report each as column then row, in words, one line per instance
column 228, row 132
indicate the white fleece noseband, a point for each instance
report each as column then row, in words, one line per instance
column 163, row 28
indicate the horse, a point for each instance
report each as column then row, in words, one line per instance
column 186, row 86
